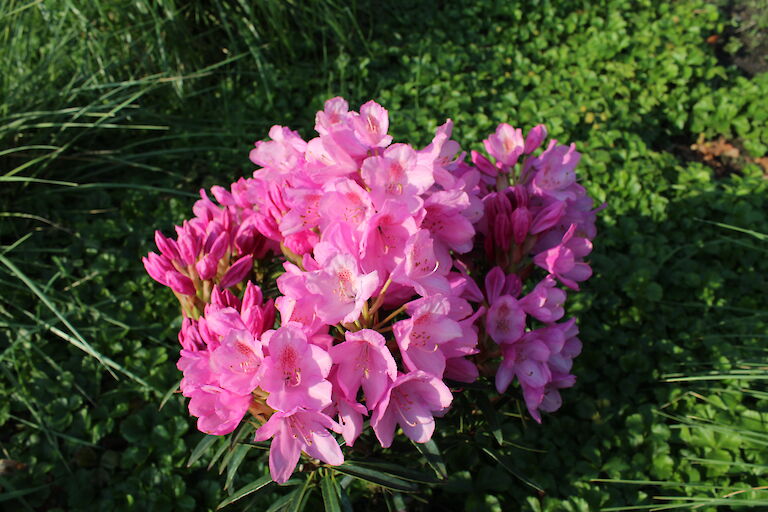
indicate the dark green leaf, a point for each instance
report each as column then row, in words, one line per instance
column 491, row 416
column 504, row 464
column 202, row 447
column 284, row 501
column 376, row 477
column 434, row 458
column 252, row 487
column 330, row 490
column 303, row 492
column 235, row 462
column 398, row 470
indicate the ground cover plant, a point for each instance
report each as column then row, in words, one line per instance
column 113, row 112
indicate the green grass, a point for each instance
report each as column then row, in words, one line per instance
column 113, row 114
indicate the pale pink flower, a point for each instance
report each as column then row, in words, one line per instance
column 420, row 336
column 506, row 145
column 412, row 402
column 372, row 124
column 218, row 411
column 295, row 431
column 364, row 360
column 397, row 174
column 295, row 371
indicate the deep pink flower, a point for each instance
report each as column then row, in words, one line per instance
column 545, row 302
column 505, row 320
column 561, row 260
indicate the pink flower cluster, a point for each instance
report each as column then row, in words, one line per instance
column 379, row 303
column 535, row 215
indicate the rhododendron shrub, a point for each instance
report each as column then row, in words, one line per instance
column 403, row 272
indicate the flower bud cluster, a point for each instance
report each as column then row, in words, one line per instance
column 382, row 246
column 217, row 247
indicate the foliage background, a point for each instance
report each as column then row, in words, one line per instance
column 114, row 112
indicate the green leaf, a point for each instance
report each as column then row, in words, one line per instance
column 302, row 493
column 502, row 462
column 169, row 394
column 376, row 477
column 491, row 416
column 252, row 487
column 330, row 490
column 284, row 502
column 434, row 458
column 234, row 463
column 202, row 447
column 398, row 470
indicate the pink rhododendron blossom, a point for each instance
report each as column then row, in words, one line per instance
column 505, row 320
column 295, row 431
column 218, row 411
column 412, row 401
column 545, row 302
column 562, row 260
column 295, row 371
column 364, row 360
column 506, row 145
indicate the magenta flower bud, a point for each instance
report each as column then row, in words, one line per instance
column 513, row 286
column 180, row 283
column 246, row 239
column 156, row 266
column 257, row 317
column 224, row 298
column 534, row 138
column 495, row 282
column 237, row 271
column 204, row 208
column 219, row 246
column 222, row 195
column 521, row 221
column 206, row 267
column 189, row 338
column 520, row 194
column 253, row 296
column 548, row 217
column 189, row 243
column 502, row 232
column 483, row 164
column 167, row 246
